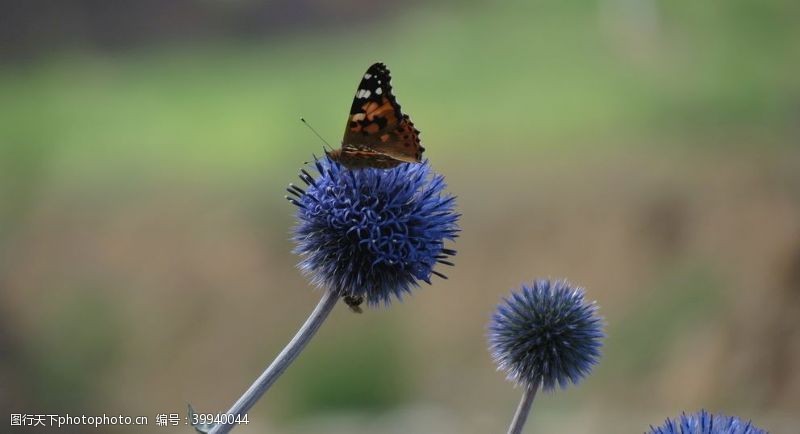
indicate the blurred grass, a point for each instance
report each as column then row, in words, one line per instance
column 519, row 79
column 365, row 369
column 492, row 84
column 684, row 300
column 68, row 361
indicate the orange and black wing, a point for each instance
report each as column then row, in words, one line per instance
column 376, row 127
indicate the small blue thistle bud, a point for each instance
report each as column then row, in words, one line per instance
column 371, row 233
column 546, row 334
column 706, row 423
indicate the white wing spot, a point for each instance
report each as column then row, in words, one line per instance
column 378, row 91
column 367, row 76
column 363, row 93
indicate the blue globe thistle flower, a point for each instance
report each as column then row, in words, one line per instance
column 546, row 333
column 371, row 233
column 706, row 423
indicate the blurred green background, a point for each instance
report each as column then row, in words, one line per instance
column 646, row 150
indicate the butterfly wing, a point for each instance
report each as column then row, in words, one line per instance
column 376, row 127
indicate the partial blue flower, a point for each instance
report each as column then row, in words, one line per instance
column 706, row 423
column 373, row 233
column 546, row 333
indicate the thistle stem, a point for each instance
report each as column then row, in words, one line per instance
column 524, row 408
column 284, row 359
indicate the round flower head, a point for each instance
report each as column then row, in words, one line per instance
column 373, row 233
column 706, row 423
column 546, row 333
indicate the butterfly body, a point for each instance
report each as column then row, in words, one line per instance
column 377, row 134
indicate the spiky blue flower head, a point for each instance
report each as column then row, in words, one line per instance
column 546, row 333
column 373, row 233
column 706, row 423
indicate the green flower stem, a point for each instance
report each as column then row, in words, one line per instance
column 284, row 359
column 523, row 410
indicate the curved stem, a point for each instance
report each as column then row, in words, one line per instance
column 284, row 359
column 523, row 409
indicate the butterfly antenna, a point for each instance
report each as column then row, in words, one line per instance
column 315, row 133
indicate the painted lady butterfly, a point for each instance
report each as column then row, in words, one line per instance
column 378, row 134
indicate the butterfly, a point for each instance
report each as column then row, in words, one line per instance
column 377, row 134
